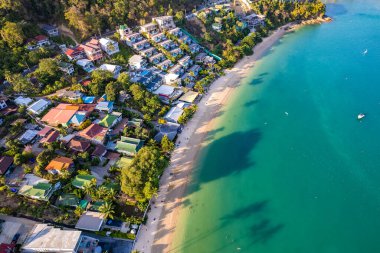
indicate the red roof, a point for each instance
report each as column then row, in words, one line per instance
column 86, row 82
column 40, row 37
column 51, row 137
column 94, row 130
column 5, row 163
column 99, row 151
column 44, row 131
column 78, row 145
column 7, row 248
column 74, row 51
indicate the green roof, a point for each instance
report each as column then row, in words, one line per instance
column 108, row 120
column 112, row 185
column 96, row 205
column 80, row 180
column 67, row 200
column 135, row 122
column 83, row 204
column 129, row 145
column 124, row 162
column 38, row 191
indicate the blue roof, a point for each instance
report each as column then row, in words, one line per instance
column 88, row 100
column 104, row 97
column 77, row 119
column 104, row 104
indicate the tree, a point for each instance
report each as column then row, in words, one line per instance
column 20, row 83
column 107, row 209
column 100, row 78
column 78, row 211
column 140, row 179
column 111, row 91
column 88, row 189
column 166, row 144
column 12, row 34
column 48, row 71
column 18, row 159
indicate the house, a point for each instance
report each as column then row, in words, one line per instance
column 23, row 101
column 90, row 221
column 141, row 45
column 86, row 65
column 60, row 164
column 150, row 29
column 135, row 122
column 47, row 238
column 148, row 52
column 158, row 37
column 137, row 62
column 88, row 99
column 217, row 27
column 176, row 32
column 42, row 40
column 110, row 120
column 129, row 146
column 75, row 53
column 194, row 48
column 65, row 67
column 133, row 38
column 124, row 31
column 109, row 46
column 40, row 190
column 175, row 52
column 172, row 78
column 78, row 145
column 70, row 94
column 186, row 40
column 28, row 136
column 80, row 181
column 200, row 57
column 165, row 22
column 99, row 152
column 60, row 115
column 3, row 102
column 185, row 61
column 165, row 65
column 92, row 50
column 254, row 20
column 50, row 30
column 50, row 136
column 176, row 69
column 44, row 132
column 39, row 106
column 195, row 69
column 94, row 133
column 189, row 97
column 173, row 114
column 168, row 44
column 155, row 59
column 169, row 129
column 6, row 163
column 106, row 106
column 114, row 69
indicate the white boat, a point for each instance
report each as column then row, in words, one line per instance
column 361, row 115
column 365, row 52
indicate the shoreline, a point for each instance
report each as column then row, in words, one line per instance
column 158, row 232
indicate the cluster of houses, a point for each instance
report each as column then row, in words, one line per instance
column 153, row 44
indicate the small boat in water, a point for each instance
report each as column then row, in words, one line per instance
column 361, row 116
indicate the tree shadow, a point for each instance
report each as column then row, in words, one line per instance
column 249, row 210
column 251, row 103
column 256, row 81
column 225, row 156
column 211, row 134
column 264, row 230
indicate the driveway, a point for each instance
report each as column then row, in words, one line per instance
column 99, row 172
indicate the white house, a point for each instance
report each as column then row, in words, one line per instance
column 50, row 30
column 173, row 114
column 23, row 101
column 39, row 106
column 68, row 68
column 114, row 69
column 109, row 46
column 137, row 62
column 165, row 22
column 86, row 65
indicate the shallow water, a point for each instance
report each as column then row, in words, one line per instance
column 290, row 169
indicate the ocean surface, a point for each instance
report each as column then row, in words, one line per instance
column 289, row 168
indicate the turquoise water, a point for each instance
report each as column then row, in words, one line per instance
column 290, row 169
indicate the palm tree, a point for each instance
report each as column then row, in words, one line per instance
column 107, row 210
column 88, row 188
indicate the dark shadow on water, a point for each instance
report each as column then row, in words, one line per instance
column 251, row 103
column 264, row 230
column 226, row 156
column 211, row 134
column 256, row 81
column 247, row 211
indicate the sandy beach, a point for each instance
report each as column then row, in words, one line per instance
column 157, row 235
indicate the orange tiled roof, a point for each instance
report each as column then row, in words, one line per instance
column 60, row 163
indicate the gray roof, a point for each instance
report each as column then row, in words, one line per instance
column 91, row 221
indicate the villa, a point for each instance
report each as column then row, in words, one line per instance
column 176, row 69
column 148, row 52
column 92, row 50
column 137, row 62
column 155, row 59
column 173, row 114
column 37, row 188
column 23, row 101
column 65, row 67
column 60, row 115
column 133, row 38
column 165, row 22
column 176, row 32
column 129, row 146
column 86, row 65
column 39, row 106
column 41, row 41
column 168, row 44
column 106, row 106
column 114, row 69
column 175, row 52
column 110, row 120
column 194, row 48
column 124, row 31
column 75, row 53
column 141, row 45
column 94, row 133
column 165, row 65
column 78, row 145
column 59, row 164
column 50, row 30
column 169, row 129
column 158, row 37
column 185, row 61
column 186, row 40
column 109, row 46
column 150, row 29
